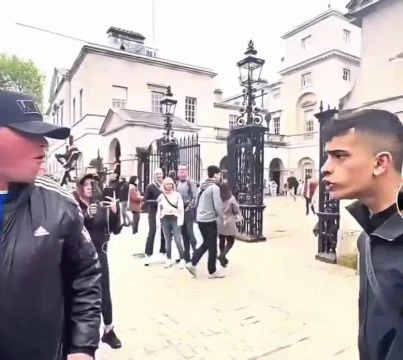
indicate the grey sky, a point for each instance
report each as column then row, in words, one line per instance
column 209, row 33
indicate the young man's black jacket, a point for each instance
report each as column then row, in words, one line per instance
column 50, row 293
column 101, row 225
column 381, row 283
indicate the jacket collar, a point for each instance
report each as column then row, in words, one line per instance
column 390, row 230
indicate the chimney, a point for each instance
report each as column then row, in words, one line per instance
column 218, row 95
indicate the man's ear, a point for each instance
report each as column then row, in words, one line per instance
column 383, row 161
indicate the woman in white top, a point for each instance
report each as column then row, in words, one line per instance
column 171, row 212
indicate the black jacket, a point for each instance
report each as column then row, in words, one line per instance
column 50, row 302
column 381, row 284
column 101, row 225
column 150, row 197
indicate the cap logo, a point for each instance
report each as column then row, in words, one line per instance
column 28, row 107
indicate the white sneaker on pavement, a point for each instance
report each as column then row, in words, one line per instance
column 182, row 264
column 168, row 263
column 219, row 273
column 191, row 269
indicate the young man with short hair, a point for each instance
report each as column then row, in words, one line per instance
column 50, row 303
column 365, row 155
column 209, row 209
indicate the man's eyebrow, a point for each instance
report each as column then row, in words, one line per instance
column 336, row 151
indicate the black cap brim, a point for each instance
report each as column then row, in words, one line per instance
column 41, row 128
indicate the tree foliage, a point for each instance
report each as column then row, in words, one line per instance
column 21, row 75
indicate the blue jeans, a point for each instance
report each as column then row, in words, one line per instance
column 188, row 236
column 169, row 226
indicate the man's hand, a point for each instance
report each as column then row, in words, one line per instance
column 92, row 209
column 112, row 203
column 79, row 356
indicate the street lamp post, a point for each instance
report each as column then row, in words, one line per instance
column 246, row 151
column 168, row 146
column 329, row 209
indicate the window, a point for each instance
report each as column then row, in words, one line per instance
column 306, row 79
column 276, row 125
column 232, row 120
column 306, row 41
column 156, row 98
column 307, row 170
column 81, row 104
column 190, row 109
column 346, row 74
column 308, row 122
column 119, row 97
column 346, row 36
column 74, row 111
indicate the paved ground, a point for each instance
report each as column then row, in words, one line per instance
column 276, row 303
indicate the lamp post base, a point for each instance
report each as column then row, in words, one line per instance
column 329, row 258
column 250, row 238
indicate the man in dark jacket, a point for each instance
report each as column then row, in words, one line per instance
column 365, row 156
column 50, row 301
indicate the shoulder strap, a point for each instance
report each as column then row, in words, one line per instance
column 174, row 206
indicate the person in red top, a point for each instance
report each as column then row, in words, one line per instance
column 135, row 202
column 309, row 190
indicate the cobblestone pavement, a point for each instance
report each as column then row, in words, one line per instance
column 276, row 303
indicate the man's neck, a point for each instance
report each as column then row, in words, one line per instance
column 384, row 197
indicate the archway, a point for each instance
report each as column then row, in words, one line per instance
column 114, row 156
column 275, row 168
column 306, row 167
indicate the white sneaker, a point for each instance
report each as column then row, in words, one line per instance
column 182, row 264
column 147, row 260
column 168, row 263
column 191, row 269
column 217, row 275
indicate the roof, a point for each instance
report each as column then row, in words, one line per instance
column 144, row 118
column 358, row 5
column 328, row 13
column 128, row 33
column 121, row 54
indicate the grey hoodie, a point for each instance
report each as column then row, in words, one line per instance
column 209, row 205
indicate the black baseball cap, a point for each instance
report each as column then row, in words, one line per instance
column 19, row 112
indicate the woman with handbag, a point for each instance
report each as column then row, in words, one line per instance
column 171, row 213
column 135, row 201
column 227, row 229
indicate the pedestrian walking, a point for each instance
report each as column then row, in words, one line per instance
column 227, row 228
column 135, row 202
column 209, row 209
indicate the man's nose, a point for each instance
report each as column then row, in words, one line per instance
column 327, row 167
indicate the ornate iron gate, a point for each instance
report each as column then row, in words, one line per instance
column 328, row 214
column 167, row 157
column 245, row 176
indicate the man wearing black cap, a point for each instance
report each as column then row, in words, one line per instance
column 50, row 299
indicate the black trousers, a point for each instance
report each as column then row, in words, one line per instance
column 208, row 231
column 226, row 243
column 308, row 206
column 152, row 229
column 105, row 285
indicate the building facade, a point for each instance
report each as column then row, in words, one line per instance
column 110, row 98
